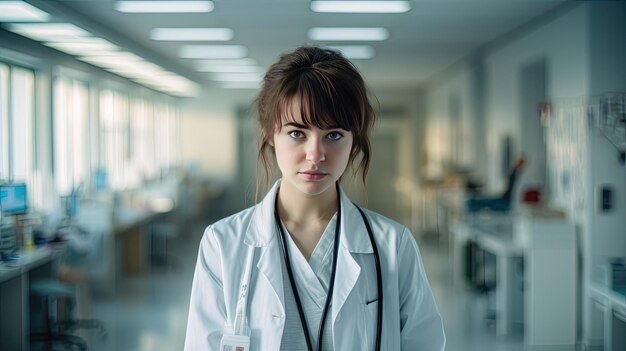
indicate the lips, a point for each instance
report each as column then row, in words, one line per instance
column 312, row 175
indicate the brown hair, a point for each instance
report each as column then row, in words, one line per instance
column 331, row 94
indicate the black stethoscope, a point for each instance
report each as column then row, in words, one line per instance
column 332, row 276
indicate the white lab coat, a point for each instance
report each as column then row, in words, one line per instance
column 411, row 320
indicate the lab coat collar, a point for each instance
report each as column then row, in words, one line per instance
column 354, row 239
column 261, row 230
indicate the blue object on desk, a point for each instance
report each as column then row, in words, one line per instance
column 13, row 198
column 496, row 204
column 100, row 180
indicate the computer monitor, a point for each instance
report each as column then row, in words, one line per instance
column 13, row 199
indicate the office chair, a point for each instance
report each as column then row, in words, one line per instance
column 500, row 203
column 52, row 293
column 48, row 293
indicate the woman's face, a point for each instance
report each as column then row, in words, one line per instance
column 310, row 159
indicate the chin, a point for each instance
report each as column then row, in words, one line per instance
column 313, row 188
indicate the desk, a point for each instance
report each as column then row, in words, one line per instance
column 121, row 244
column 509, row 257
column 129, row 225
column 14, row 297
column 546, row 300
column 494, row 234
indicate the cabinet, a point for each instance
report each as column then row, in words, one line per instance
column 551, row 276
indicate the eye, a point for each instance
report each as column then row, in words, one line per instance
column 296, row 134
column 334, row 136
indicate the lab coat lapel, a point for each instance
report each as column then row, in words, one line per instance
column 261, row 233
column 270, row 267
column 345, row 279
column 354, row 239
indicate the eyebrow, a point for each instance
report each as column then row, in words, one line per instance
column 302, row 126
column 297, row 125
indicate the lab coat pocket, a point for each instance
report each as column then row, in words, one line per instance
column 370, row 316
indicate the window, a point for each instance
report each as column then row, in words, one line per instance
column 166, row 134
column 138, row 138
column 21, row 127
column 16, row 123
column 4, row 121
column 71, row 102
column 17, row 99
column 114, row 130
column 142, row 141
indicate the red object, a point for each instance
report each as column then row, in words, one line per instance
column 532, row 196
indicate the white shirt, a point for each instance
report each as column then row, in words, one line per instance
column 312, row 280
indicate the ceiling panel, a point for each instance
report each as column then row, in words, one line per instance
column 422, row 42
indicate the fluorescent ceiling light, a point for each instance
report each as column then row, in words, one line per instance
column 112, row 55
column 234, row 66
column 237, row 77
column 240, row 85
column 164, row 6
column 20, row 11
column 213, row 51
column 84, row 48
column 355, row 52
column 49, row 31
column 361, row 6
column 234, row 62
column 192, row 34
column 137, row 69
column 230, row 69
column 175, row 85
column 122, row 63
column 86, row 40
column 111, row 58
column 171, row 83
column 346, row 34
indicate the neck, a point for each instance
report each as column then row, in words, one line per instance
column 297, row 207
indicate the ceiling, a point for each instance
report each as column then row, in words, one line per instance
column 432, row 36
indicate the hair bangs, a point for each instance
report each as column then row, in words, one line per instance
column 317, row 101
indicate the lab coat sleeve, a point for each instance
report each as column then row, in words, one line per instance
column 207, row 312
column 421, row 327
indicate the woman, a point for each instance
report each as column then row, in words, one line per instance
column 263, row 275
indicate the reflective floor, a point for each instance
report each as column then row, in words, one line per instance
column 150, row 311
column 467, row 323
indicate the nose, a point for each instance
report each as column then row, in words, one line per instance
column 315, row 152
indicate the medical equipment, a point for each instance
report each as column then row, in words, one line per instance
column 332, row 278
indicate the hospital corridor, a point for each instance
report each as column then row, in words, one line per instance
column 272, row 174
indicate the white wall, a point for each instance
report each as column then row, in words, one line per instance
column 584, row 47
column 451, row 142
column 209, row 131
column 562, row 42
column 489, row 88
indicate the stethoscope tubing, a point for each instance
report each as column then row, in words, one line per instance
column 292, row 281
column 332, row 277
